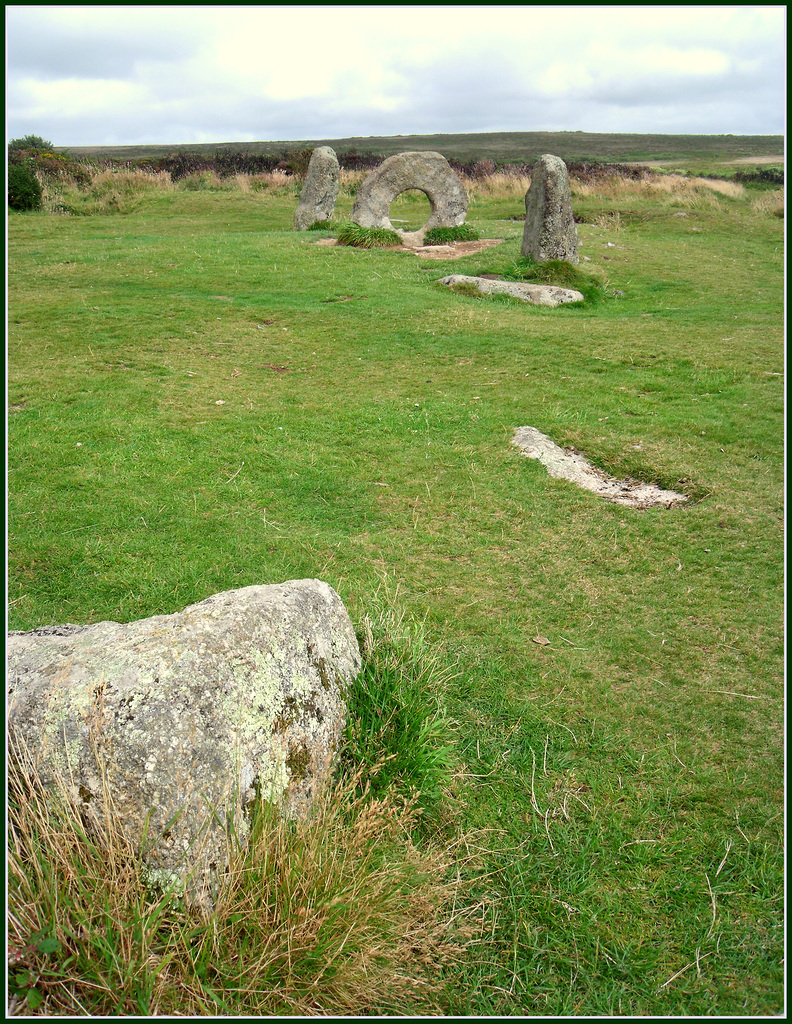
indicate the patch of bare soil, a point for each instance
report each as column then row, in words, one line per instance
column 758, row 160
column 453, row 251
column 569, row 465
column 677, row 163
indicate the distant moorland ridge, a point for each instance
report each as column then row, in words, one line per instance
column 500, row 147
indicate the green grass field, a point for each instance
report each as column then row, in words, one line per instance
column 201, row 399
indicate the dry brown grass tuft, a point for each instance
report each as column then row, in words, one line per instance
column 498, row 184
column 338, row 914
column 131, row 179
column 672, row 189
column 611, row 221
column 771, row 202
column 732, row 189
column 264, row 181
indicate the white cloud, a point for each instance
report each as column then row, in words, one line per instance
column 87, row 75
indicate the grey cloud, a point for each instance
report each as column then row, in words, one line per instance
column 48, row 51
column 491, row 89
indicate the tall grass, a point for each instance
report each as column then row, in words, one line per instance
column 498, row 183
column 769, row 202
column 109, row 191
column 676, row 187
column 342, row 913
column 367, row 238
column 399, row 732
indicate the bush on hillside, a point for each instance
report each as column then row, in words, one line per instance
column 24, row 191
column 761, row 176
column 296, row 162
column 224, row 163
column 30, row 142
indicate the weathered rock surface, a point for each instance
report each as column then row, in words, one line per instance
column 430, row 173
column 320, row 190
column 538, row 294
column 550, row 232
column 567, row 465
column 179, row 715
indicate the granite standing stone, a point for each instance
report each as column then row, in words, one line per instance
column 550, row 232
column 320, row 190
column 430, row 173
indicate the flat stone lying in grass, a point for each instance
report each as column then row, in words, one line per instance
column 182, row 720
column 537, row 294
column 570, row 466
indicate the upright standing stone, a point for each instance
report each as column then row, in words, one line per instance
column 550, row 232
column 320, row 191
column 430, row 173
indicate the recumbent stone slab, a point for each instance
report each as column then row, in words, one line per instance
column 537, row 294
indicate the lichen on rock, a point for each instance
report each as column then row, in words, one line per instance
column 430, row 173
column 549, row 232
column 180, row 721
column 320, row 189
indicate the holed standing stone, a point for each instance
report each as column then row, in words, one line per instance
column 429, row 173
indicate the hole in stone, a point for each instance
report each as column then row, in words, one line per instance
column 410, row 210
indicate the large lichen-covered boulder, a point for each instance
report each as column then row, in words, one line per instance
column 320, row 189
column 180, row 721
column 430, row 173
column 550, row 232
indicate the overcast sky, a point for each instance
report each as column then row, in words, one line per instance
column 82, row 76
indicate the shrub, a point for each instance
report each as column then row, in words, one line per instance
column 51, row 166
column 367, row 238
column 354, row 161
column 24, row 191
column 482, row 169
column 224, row 163
column 30, row 142
column 296, row 161
column 444, row 236
column 761, row 176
